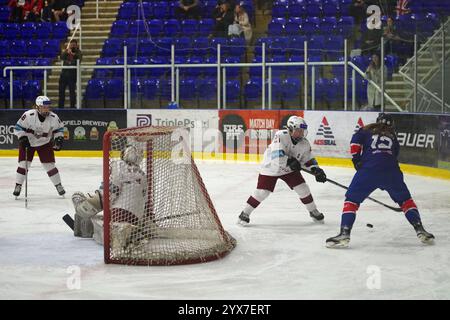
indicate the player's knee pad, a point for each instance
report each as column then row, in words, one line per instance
column 302, row 190
column 87, row 205
column 261, row 194
column 48, row 166
column 83, row 227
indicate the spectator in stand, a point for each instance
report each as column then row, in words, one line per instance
column 358, row 12
column 59, row 10
column 69, row 76
column 188, row 9
column 224, row 17
column 373, row 73
column 17, row 9
column 390, row 34
column 241, row 26
column 47, row 11
column 33, row 10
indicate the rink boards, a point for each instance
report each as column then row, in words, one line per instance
column 243, row 135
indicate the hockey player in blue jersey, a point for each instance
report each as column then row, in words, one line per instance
column 374, row 151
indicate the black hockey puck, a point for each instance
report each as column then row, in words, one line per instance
column 369, row 225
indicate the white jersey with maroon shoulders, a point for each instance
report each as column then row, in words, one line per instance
column 132, row 184
column 39, row 132
column 282, row 148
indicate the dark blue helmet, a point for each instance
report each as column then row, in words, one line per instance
column 386, row 119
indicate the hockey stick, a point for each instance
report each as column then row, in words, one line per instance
column 70, row 222
column 26, row 177
column 346, row 188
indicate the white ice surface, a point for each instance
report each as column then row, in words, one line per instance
column 282, row 255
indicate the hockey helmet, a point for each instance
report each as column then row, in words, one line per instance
column 297, row 123
column 385, row 119
column 43, row 105
column 132, row 155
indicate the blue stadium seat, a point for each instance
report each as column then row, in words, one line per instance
column 189, row 27
column 28, row 30
column 146, row 47
column 161, row 9
column 279, row 45
column 30, row 90
column 183, row 46
column 280, row 11
column 252, row 92
column 297, row 9
column 236, row 46
column 194, row 72
column 18, row 48
column 276, row 26
column 201, row 45
column 4, row 48
column 34, row 48
column 330, row 8
column 119, row 29
column 293, row 26
column 188, row 92
column 314, row 8
column 136, row 93
column 171, row 27
column 112, row 48
column 127, row 11
column 233, row 91
column 150, row 89
column 94, row 96
column 44, row 30
column 328, row 25
column 156, row 27
column 291, row 90
column 11, row 31
column 60, row 30
column 114, row 93
column 311, row 25
column 137, row 28
column 205, row 26
column 103, row 73
column 259, row 45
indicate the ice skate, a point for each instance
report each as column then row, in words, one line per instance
column 60, row 189
column 317, row 216
column 339, row 241
column 244, row 219
column 423, row 235
column 17, row 190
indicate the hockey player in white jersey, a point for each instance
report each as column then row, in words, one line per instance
column 42, row 131
column 128, row 187
column 283, row 159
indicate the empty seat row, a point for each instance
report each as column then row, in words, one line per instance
column 158, row 27
column 315, row 8
column 31, row 30
column 30, row 48
column 311, row 25
column 184, row 46
column 24, row 93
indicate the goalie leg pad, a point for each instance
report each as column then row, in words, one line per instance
column 83, row 227
column 97, row 221
column 87, row 205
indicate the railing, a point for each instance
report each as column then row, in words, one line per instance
column 221, row 77
column 423, row 97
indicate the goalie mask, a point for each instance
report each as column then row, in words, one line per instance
column 298, row 129
column 132, row 155
column 43, row 105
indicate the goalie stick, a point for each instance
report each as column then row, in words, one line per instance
column 70, row 222
column 346, row 188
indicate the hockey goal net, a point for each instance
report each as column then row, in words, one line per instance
column 157, row 211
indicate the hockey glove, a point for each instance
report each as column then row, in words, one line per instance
column 58, row 143
column 357, row 164
column 319, row 174
column 293, row 164
column 24, row 142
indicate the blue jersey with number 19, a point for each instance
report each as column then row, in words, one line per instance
column 374, row 150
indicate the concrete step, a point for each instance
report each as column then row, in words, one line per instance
column 103, row 15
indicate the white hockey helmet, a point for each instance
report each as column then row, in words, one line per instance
column 132, row 154
column 43, row 105
column 296, row 123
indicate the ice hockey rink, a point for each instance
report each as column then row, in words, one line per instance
column 281, row 255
